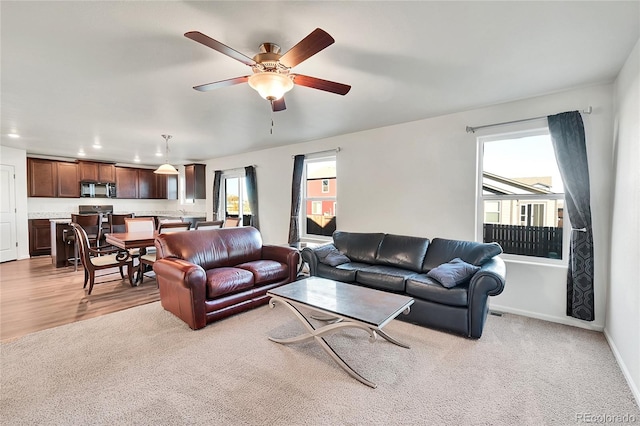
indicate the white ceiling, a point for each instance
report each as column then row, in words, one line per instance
column 121, row 73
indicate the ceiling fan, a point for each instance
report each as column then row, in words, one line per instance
column 271, row 76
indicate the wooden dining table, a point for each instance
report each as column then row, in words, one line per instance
column 131, row 240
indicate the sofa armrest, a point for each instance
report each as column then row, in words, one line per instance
column 490, row 279
column 283, row 254
column 310, row 257
column 183, row 290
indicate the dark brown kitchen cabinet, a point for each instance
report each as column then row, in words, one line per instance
column 41, row 178
column 106, row 173
column 167, row 187
column 97, row 172
column 195, row 181
column 68, row 180
column 39, row 237
column 146, row 184
column 48, row 178
column 126, row 182
column 88, row 171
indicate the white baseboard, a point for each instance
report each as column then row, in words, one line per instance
column 625, row 372
column 551, row 318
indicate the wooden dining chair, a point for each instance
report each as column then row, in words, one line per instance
column 231, row 222
column 92, row 224
column 117, row 222
column 139, row 224
column 94, row 259
column 147, row 260
column 213, row 224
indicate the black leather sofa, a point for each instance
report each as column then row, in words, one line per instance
column 402, row 264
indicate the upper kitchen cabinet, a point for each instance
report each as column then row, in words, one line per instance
column 97, row 172
column 195, row 181
column 41, row 176
column 47, row 178
column 167, row 187
column 146, row 184
column 126, row 182
column 68, row 182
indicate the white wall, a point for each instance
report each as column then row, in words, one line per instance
column 623, row 302
column 18, row 159
column 419, row 178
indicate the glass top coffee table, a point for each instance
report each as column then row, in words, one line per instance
column 341, row 305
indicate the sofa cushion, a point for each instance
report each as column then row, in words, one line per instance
column 443, row 251
column 453, row 273
column 384, row 277
column 422, row 287
column 265, row 271
column 402, row 251
column 330, row 255
column 359, row 247
column 222, row 281
column 345, row 272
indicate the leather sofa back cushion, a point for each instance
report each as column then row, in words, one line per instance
column 402, row 252
column 443, row 251
column 212, row 248
column 359, row 247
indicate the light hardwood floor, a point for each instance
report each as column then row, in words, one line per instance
column 34, row 295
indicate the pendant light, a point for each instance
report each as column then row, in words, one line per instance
column 166, row 168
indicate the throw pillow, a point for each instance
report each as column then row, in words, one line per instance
column 330, row 255
column 453, row 273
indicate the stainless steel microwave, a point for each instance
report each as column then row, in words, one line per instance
column 97, row 190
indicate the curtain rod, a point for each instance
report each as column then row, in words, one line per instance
column 237, row 168
column 337, row 149
column 473, row 129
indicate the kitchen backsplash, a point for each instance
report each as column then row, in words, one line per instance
column 62, row 208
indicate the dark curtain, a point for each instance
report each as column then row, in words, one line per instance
column 296, row 198
column 252, row 194
column 217, row 179
column 567, row 135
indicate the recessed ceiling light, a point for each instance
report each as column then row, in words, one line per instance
column 13, row 135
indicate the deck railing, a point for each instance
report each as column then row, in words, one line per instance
column 539, row 241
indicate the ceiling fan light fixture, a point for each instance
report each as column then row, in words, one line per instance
column 166, row 169
column 270, row 85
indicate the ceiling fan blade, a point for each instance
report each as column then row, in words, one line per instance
column 222, row 83
column 222, row 48
column 318, row 83
column 278, row 105
column 306, row 48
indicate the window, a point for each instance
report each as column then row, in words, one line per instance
column 521, row 196
column 234, row 196
column 319, row 197
column 325, row 186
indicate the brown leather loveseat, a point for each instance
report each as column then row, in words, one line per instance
column 211, row 274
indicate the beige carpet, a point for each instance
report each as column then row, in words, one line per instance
column 144, row 366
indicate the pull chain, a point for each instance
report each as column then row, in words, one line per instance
column 271, row 130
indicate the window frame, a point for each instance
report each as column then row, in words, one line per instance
column 303, row 208
column 232, row 174
column 481, row 198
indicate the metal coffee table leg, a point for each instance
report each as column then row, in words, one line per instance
column 317, row 333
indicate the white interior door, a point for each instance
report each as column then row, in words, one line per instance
column 8, row 248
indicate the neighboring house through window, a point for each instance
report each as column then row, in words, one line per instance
column 521, row 196
column 318, row 212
